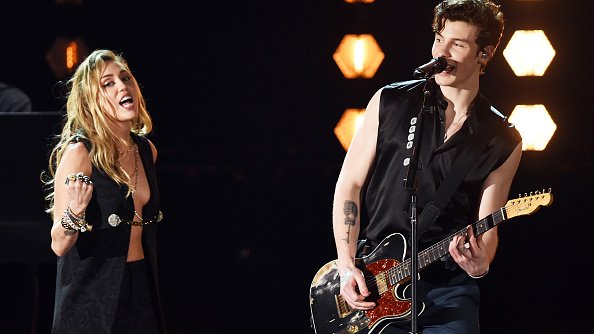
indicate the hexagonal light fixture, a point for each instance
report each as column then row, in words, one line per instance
column 347, row 126
column 534, row 124
column 65, row 54
column 529, row 53
column 358, row 56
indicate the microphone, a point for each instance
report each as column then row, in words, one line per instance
column 433, row 67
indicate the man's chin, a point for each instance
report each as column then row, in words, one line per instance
column 443, row 79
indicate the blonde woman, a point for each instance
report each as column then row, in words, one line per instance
column 104, row 200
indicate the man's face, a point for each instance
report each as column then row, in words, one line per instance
column 457, row 44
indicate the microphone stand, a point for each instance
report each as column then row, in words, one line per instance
column 411, row 201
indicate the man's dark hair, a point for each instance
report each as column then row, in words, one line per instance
column 483, row 14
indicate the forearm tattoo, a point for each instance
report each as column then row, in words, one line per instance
column 350, row 212
column 350, row 216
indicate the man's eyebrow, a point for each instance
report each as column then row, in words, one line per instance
column 461, row 40
column 455, row 39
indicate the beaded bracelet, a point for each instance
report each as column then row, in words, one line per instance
column 70, row 225
column 72, row 222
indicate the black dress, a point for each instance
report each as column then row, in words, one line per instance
column 89, row 276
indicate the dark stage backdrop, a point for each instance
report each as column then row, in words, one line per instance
column 245, row 96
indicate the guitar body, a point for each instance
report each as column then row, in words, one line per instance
column 331, row 314
column 386, row 274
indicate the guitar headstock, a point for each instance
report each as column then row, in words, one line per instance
column 529, row 203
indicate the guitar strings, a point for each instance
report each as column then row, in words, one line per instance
column 404, row 266
column 406, row 263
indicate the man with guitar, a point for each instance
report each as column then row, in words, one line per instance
column 370, row 197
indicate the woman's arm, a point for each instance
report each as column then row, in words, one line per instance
column 73, row 194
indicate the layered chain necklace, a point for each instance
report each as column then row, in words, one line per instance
column 135, row 178
column 133, row 144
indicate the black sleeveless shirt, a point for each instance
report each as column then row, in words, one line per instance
column 89, row 276
column 383, row 195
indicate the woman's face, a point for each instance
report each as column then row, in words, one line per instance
column 122, row 92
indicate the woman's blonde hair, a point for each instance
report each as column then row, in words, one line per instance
column 87, row 119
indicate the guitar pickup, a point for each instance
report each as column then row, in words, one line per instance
column 342, row 307
column 382, row 283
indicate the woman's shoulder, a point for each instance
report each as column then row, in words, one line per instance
column 143, row 140
column 81, row 139
column 76, row 148
column 153, row 150
column 76, row 157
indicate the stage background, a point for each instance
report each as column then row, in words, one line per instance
column 245, row 96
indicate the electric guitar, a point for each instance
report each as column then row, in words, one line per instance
column 385, row 276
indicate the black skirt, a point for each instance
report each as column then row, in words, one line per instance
column 136, row 306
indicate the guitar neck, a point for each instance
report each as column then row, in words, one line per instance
column 438, row 250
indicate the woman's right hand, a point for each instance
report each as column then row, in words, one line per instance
column 79, row 188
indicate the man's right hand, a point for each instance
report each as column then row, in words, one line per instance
column 353, row 289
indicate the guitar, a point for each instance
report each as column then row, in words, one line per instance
column 386, row 275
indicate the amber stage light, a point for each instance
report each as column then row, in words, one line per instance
column 358, row 56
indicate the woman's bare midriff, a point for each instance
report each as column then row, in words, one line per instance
column 135, row 251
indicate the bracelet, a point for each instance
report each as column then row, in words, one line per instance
column 481, row 275
column 79, row 216
column 72, row 222
column 82, row 225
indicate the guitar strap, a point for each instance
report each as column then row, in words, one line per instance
column 461, row 166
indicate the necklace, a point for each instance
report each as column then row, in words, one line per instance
column 128, row 147
column 445, row 136
column 135, row 177
column 122, row 153
column 133, row 191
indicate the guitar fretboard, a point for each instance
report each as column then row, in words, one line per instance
column 438, row 250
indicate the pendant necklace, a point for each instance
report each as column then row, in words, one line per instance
column 135, row 177
column 445, row 136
